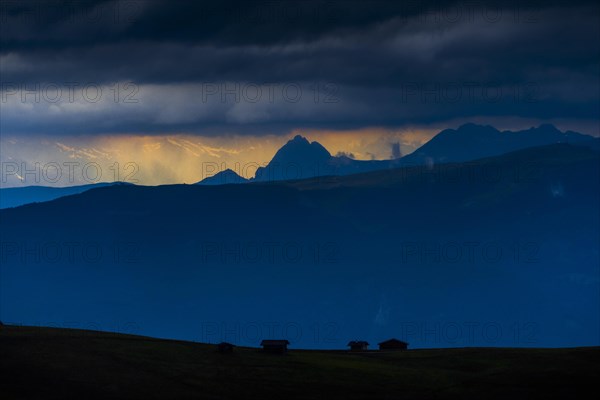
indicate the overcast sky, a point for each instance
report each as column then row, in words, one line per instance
column 131, row 68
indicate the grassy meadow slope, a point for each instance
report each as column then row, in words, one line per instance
column 46, row 363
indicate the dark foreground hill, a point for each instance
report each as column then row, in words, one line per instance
column 43, row 363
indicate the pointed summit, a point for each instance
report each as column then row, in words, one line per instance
column 299, row 139
column 223, row 178
column 548, row 127
column 301, row 150
column 297, row 159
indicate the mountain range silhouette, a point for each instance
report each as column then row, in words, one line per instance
column 504, row 242
column 301, row 159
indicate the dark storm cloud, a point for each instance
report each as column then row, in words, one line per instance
column 381, row 63
column 61, row 23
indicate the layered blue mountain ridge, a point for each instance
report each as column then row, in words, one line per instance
column 439, row 257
